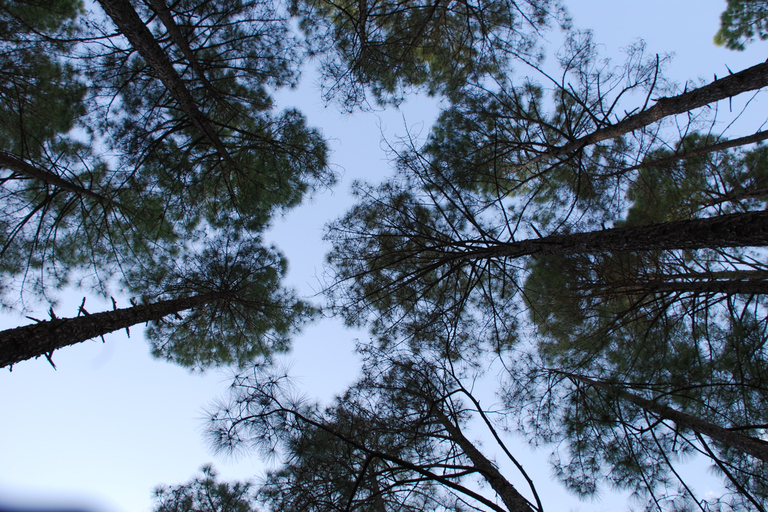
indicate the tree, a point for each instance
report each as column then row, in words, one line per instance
column 389, row 47
column 753, row 446
column 507, row 207
column 629, row 431
column 42, row 100
column 153, row 180
column 168, row 136
column 681, row 329
column 209, row 136
column 205, row 494
column 393, row 441
column 224, row 305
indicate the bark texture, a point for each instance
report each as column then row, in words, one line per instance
column 44, row 337
column 748, row 229
column 718, row 283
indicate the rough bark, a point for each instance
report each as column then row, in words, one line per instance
column 748, row 229
column 44, row 337
column 513, row 500
column 129, row 23
column 747, row 80
column 752, row 446
column 745, row 287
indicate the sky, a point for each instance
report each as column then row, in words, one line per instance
column 111, row 423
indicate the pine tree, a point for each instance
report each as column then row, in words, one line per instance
column 741, row 21
column 205, row 494
column 394, row 441
column 224, row 305
column 386, row 48
column 572, row 199
column 168, row 136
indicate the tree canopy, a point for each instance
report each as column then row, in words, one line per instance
column 590, row 200
column 168, row 151
column 595, row 230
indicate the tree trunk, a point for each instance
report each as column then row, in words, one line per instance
column 747, row 80
column 128, row 22
column 716, row 283
column 748, row 229
column 44, row 337
column 513, row 500
column 750, row 445
column 165, row 15
column 726, row 144
column 19, row 166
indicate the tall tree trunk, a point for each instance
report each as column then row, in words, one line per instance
column 701, row 283
column 513, row 500
column 166, row 16
column 747, row 80
column 750, row 445
column 748, row 229
column 42, row 338
column 129, row 23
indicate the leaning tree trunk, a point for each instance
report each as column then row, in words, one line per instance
column 19, row 166
column 747, row 80
column 750, row 445
column 740, row 282
column 513, row 500
column 42, row 338
column 748, row 229
column 129, row 23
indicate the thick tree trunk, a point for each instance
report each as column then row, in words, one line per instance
column 744, row 287
column 752, row 446
column 513, row 500
column 747, row 80
column 44, row 337
column 128, row 22
column 735, row 230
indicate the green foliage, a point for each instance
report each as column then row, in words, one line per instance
column 496, row 141
column 391, row 46
column 254, row 316
column 205, row 494
column 236, row 52
column 741, row 21
column 111, row 178
column 630, row 320
column 41, row 94
column 669, row 188
column 402, row 265
column 392, row 441
column 513, row 162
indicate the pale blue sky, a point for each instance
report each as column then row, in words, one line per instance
column 111, row 422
